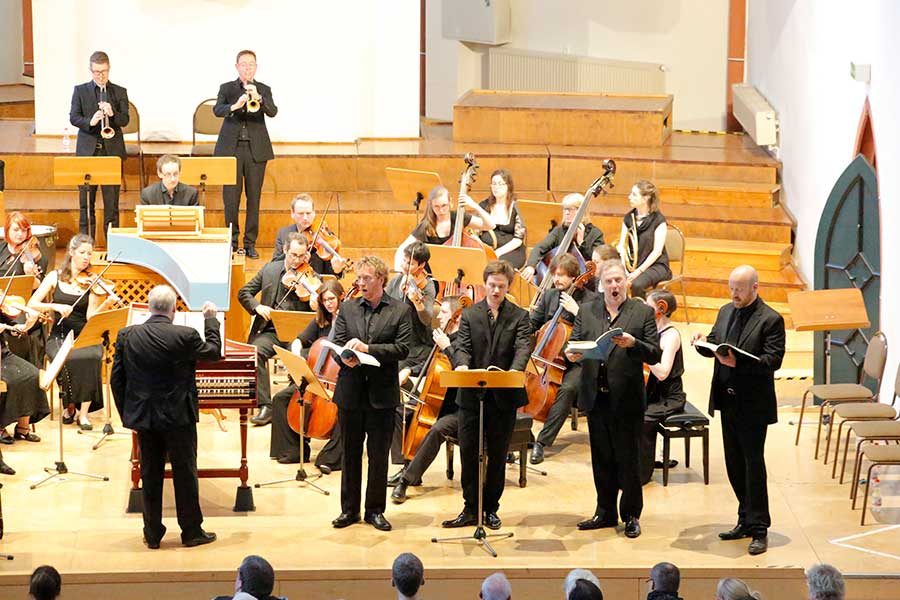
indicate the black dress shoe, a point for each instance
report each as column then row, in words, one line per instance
column 394, row 480
column 659, row 464
column 492, row 521
column 324, row 469
column 68, row 418
column 345, row 520
column 26, row 435
column 151, row 545
column 511, row 458
column 537, row 453
column 398, row 496
column 5, row 469
column 263, row 416
column 378, row 521
column 596, row 522
column 289, row 459
column 463, row 519
column 204, row 537
column 759, row 545
column 633, row 528
column 5, row 438
column 251, row 252
column 735, row 534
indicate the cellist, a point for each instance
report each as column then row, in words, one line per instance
column 284, row 445
column 447, row 423
column 565, row 270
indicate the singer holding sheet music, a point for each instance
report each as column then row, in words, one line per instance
column 743, row 391
column 367, row 396
column 612, row 394
column 97, row 105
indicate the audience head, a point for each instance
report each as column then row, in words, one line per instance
column 665, row 577
column 45, row 583
column 256, row 576
column 407, row 574
column 168, row 169
column 731, row 588
column 825, row 583
column 581, row 584
column 496, row 587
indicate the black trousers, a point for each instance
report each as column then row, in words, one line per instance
column 648, row 279
column 250, row 176
column 745, row 463
column 181, row 447
column 265, row 342
column 562, row 408
column 87, row 197
column 615, row 459
column 499, row 421
column 445, row 426
column 372, row 426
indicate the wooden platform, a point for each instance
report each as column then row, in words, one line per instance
column 16, row 101
column 562, row 118
column 81, row 526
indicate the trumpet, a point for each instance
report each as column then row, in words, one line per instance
column 253, row 103
column 106, row 131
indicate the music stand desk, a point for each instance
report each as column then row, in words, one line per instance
column 289, row 323
column 407, row 184
column 447, row 261
column 87, row 170
column 22, row 285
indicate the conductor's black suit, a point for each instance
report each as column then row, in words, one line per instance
column 154, row 384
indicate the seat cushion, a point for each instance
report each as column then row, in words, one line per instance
column 882, row 453
column 865, row 410
column 203, row 150
column 876, row 429
column 840, row 391
column 689, row 417
column 133, row 149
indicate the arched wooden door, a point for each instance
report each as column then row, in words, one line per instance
column 848, row 254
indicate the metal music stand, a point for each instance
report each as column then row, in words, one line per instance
column 407, row 184
column 481, row 379
column 289, row 323
column 46, row 381
column 300, row 371
column 208, row 170
column 452, row 263
column 102, row 329
column 85, row 171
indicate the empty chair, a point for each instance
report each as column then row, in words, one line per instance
column 134, row 149
column 205, row 123
column 879, row 456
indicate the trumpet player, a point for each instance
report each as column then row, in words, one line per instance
column 642, row 243
column 99, row 111
column 244, row 105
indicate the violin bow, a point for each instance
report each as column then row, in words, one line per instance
column 322, row 220
column 96, row 278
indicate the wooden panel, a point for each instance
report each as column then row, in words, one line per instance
column 702, row 253
column 705, row 310
column 17, row 110
column 529, row 172
column 316, row 173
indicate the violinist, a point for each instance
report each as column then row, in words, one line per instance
column 304, row 216
column 285, row 442
column 587, row 236
column 436, row 227
column 73, row 292
column 447, row 423
column 282, row 285
column 414, row 286
column 507, row 238
column 21, row 255
column 565, row 270
column 642, row 243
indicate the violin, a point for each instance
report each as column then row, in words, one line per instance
column 96, row 284
column 304, row 282
column 13, row 306
column 29, row 254
column 326, row 243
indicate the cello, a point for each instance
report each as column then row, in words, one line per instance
column 431, row 392
column 321, row 413
column 547, row 365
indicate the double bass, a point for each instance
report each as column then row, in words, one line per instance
column 431, row 392
column 547, row 365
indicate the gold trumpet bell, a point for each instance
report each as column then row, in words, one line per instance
column 253, row 105
column 107, row 133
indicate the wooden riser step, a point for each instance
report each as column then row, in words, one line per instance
column 703, row 253
column 718, row 193
column 774, row 286
column 703, row 309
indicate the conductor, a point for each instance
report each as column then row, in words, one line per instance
column 153, row 382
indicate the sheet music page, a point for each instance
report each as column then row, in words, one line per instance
column 195, row 321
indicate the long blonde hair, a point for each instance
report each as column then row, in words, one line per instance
column 732, row 588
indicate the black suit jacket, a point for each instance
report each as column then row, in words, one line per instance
column 389, row 337
column 593, row 237
column 265, row 283
column 185, row 195
column 84, row 105
column 509, row 348
column 260, row 144
column 624, row 368
column 153, row 376
column 546, row 308
column 752, row 381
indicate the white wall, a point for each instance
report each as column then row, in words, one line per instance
column 11, row 41
column 339, row 70
column 688, row 36
column 799, row 56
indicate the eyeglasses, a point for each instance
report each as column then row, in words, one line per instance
column 99, row 71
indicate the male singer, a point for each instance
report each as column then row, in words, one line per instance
column 743, row 391
column 494, row 332
column 244, row 135
column 367, row 396
column 95, row 105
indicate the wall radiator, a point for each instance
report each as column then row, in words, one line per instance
column 526, row 70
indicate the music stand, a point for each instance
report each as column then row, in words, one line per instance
column 289, row 323
column 208, row 170
column 46, row 380
column 102, row 329
column 481, row 379
column 300, row 371
column 22, row 285
column 410, row 184
column 539, row 217
column 85, row 171
column 455, row 263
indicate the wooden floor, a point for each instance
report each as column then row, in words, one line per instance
column 81, row 527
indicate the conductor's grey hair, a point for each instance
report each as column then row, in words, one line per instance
column 162, row 300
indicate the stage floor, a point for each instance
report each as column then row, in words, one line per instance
column 80, row 526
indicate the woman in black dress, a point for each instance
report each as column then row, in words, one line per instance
column 80, row 379
column 507, row 238
column 642, row 243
